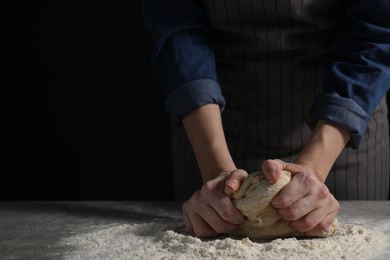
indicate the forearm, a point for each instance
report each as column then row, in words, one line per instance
column 205, row 132
column 323, row 147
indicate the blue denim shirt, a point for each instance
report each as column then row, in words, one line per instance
column 357, row 78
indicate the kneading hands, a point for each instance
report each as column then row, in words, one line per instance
column 305, row 202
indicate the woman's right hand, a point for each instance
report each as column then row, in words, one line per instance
column 210, row 211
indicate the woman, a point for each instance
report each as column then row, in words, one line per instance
column 248, row 81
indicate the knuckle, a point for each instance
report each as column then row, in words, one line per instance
column 323, row 192
column 231, row 217
column 239, row 173
column 290, row 214
column 308, row 179
column 283, row 200
column 323, row 226
column 309, row 223
column 283, row 203
column 266, row 166
column 207, row 190
column 219, row 228
column 207, row 187
column 194, row 199
column 267, row 163
column 184, row 206
column 337, row 204
column 227, row 214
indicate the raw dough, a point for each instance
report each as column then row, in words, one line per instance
column 253, row 199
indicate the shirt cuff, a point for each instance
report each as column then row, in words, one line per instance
column 341, row 111
column 188, row 97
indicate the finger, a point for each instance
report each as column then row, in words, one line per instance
column 226, row 210
column 234, row 181
column 272, row 170
column 325, row 228
column 297, row 188
column 206, row 222
column 297, row 210
column 313, row 200
column 317, row 220
column 220, row 202
column 201, row 228
column 187, row 220
column 322, row 228
column 217, row 223
column 195, row 224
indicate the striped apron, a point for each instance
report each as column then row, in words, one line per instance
column 270, row 58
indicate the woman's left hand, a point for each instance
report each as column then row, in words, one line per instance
column 305, row 201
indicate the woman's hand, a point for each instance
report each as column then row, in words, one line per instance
column 210, row 211
column 305, row 202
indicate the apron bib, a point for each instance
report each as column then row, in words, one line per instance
column 270, row 57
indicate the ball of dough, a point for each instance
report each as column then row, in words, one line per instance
column 262, row 221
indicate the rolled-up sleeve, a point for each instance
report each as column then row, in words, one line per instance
column 183, row 61
column 358, row 76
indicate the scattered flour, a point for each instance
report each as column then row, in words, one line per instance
column 168, row 240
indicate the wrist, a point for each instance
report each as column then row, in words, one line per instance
column 323, row 147
column 205, row 132
column 212, row 165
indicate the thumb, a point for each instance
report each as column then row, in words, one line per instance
column 234, row 181
column 272, row 170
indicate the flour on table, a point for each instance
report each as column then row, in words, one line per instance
column 168, row 240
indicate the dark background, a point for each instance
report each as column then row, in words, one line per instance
column 82, row 117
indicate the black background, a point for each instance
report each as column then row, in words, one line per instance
column 82, row 117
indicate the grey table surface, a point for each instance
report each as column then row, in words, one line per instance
column 31, row 229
